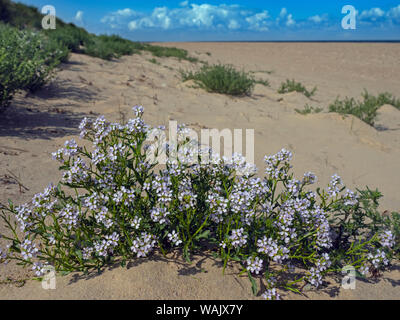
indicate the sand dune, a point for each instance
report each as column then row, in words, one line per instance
column 325, row 143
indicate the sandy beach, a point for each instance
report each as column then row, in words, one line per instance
column 325, row 143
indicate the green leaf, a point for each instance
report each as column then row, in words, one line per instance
column 10, row 204
column 359, row 274
column 254, row 287
column 203, row 235
column 79, row 254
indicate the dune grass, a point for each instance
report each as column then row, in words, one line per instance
column 367, row 109
column 154, row 61
column 308, row 109
column 292, row 85
column 262, row 82
column 223, row 78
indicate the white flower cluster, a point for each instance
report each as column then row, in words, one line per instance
column 238, row 238
column 136, row 223
column 174, row 238
column 309, row 178
column 28, row 249
column 105, row 247
column 271, row 294
column 387, row 239
column 70, row 216
column 315, row 273
column 218, row 206
column 143, row 245
column 102, row 217
column 334, row 186
column 159, row 215
column 378, row 259
column 270, row 248
column 273, row 162
column 254, row 265
column 351, row 199
column 186, row 195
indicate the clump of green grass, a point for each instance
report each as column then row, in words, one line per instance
column 381, row 99
column 263, row 82
column 223, row 79
column 263, row 71
column 367, row 109
column 160, row 52
column 292, row 85
column 308, row 109
column 72, row 37
column 153, row 60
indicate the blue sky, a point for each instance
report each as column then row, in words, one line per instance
column 209, row 20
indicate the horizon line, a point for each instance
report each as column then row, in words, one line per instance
column 280, row 41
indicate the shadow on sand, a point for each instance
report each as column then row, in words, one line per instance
column 42, row 115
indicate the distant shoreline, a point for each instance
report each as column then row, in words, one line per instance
column 282, row 41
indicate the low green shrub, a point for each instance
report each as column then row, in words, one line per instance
column 367, row 109
column 70, row 36
column 159, row 51
column 112, row 206
column 292, row 85
column 27, row 61
column 108, row 47
column 222, row 78
column 154, row 61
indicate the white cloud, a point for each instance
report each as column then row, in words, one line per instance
column 229, row 17
column 285, row 18
column 373, row 14
column 199, row 16
column 394, row 14
column 233, row 25
column 259, row 21
column 316, row 19
column 126, row 12
column 290, row 21
column 79, row 17
column 118, row 18
column 283, row 13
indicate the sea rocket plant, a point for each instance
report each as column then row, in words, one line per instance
column 112, row 205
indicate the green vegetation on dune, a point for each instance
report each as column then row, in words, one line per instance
column 29, row 54
column 223, row 78
column 27, row 61
column 292, row 85
column 367, row 109
column 78, row 39
column 308, row 109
